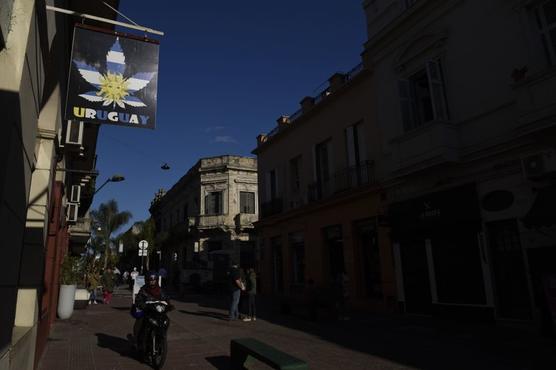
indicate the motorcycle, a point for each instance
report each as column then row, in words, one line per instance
column 152, row 340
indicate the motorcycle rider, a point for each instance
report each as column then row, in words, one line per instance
column 151, row 291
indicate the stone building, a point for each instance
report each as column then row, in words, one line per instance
column 205, row 221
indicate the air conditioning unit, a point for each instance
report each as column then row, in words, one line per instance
column 539, row 165
column 74, row 133
column 72, row 209
column 75, row 196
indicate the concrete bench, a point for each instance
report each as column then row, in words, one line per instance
column 242, row 348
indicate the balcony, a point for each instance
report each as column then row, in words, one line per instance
column 434, row 143
column 81, row 230
column 212, row 221
column 346, row 179
column 272, row 207
column 245, row 220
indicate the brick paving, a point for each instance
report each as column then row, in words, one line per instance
column 199, row 338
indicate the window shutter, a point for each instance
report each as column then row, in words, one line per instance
column 436, row 84
column 406, row 103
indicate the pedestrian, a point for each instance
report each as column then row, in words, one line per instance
column 117, row 276
column 92, row 291
column 236, row 286
column 125, row 277
column 107, row 285
column 342, row 295
column 251, row 293
column 133, row 275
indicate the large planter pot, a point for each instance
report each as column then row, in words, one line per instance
column 81, row 299
column 66, row 301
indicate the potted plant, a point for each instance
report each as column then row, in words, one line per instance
column 69, row 277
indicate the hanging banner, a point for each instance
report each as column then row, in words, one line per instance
column 113, row 79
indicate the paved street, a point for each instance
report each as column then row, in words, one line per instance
column 199, row 338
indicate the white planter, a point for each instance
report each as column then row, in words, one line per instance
column 66, row 301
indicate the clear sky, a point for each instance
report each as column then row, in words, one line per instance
column 228, row 70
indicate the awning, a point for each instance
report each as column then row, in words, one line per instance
column 543, row 210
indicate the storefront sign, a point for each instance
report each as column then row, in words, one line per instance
column 113, row 79
column 445, row 209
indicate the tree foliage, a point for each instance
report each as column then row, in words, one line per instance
column 109, row 219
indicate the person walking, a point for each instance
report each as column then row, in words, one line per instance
column 251, row 292
column 133, row 275
column 236, row 286
column 107, row 285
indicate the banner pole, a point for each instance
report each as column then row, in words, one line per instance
column 105, row 20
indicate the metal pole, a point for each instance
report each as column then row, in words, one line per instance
column 105, row 20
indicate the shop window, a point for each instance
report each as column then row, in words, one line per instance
column 213, row 203
column 277, row 264
column 335, row 249
column 247, row 202
column 422, row 97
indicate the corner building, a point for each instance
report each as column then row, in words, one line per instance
column 204, row 223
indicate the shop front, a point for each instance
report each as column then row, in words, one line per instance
column 439, row 254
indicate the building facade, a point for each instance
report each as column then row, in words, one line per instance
column 321, row 203
column 205, row 221
column 47, row 172
column 468, row 125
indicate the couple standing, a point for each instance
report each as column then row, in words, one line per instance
column 247, row 284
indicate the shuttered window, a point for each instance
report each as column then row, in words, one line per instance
column 247, row 202
column 423, row 96
column 213, row 203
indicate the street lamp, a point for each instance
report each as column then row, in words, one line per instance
column 115, row 178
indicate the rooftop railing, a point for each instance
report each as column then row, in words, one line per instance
column 350, row 75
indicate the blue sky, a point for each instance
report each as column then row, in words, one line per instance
column 227, row 71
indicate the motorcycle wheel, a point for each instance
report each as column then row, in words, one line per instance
column 159, row 350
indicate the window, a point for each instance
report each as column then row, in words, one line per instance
column 545, row 15
column 213, row 203
column 422, row 97
column 354, row 145
column 322, row 168
column 246, row 202
column 272, row 185
column 185, row 206
column 177, row 215
column 297, row 245
column 295, row 179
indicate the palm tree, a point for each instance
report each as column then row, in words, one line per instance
column 109, row 219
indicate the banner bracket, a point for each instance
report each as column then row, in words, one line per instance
column 105, row 20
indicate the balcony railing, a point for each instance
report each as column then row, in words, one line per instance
column 345, row 179
column 272, row 207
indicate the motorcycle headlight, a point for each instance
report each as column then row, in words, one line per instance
column 160, row 308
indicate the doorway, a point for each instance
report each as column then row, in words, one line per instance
column 415, row 273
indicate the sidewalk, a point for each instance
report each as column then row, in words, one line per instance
column 199, row 338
